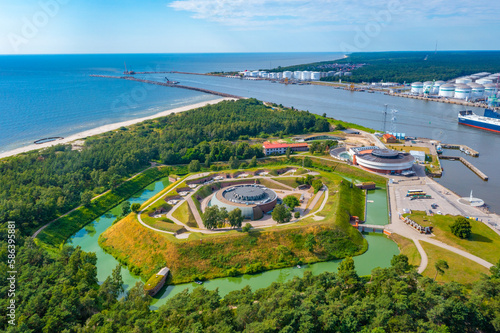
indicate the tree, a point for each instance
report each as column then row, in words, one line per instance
column 346, row 265
column 233, row 162
column 291, row 201
column 208, row 161
column 253, row 162
column 340, row 127
column 86, row 198
column 288, row 152
column 210, row 217
column 235, row 218
column 307, row 162
column 317, row 184
column 135, row 207
column 400, row 263
column 222, row 216
column 461, row 228
column 296, row 214
column 247, row 227
column 440, row 266
column 114, row 181
column 194, row 166
column 310, row 243
column 280, row 214
column 125, row 208
column 314, row 147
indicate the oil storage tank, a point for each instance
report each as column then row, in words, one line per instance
column 436, row 86
column 462, row 91
column 490, row 89
column 477, row 90
column 315, row 76
column 417, row 88
column 447, row 90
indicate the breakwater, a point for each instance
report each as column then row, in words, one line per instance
column 467, row 164
column 172, row 85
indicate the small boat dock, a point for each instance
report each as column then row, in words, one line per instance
column 467, row 164
column 462, row 148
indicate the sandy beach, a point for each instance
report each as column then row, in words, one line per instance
column 107, row 128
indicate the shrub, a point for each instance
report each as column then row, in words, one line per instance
column 296, row 215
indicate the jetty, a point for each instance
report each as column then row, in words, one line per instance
column 467, row 164
column 462, row 148
column 166, row 84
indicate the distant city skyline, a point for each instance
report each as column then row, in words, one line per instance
column 210, row 26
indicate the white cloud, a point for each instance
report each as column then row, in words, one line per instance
column 258, row 14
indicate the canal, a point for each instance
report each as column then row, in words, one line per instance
column 379, row 254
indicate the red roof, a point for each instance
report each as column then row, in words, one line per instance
column 268, row 145
column 388, row 136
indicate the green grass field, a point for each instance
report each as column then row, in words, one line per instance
column 408, row 248
column 483, row 242
column 461, row 270
column 184, row 214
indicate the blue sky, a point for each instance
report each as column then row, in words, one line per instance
column 184, row 26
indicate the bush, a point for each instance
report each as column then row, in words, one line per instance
column 246, row 227
column 296, row 215
column 461, row 228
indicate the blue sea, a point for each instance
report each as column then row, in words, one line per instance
column 53, row 95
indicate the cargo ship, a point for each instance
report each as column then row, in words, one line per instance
column 490, row 121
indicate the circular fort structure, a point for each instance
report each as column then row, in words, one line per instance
column 254, row 200
column 383, row 160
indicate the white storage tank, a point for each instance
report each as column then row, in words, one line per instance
column 428, row 87
column 484, row 80
column 463, row 80
column 462, row 91
column 272, row 75
column 279, row 75
column 264, row 75
column 315, row 76
column 447, row 90
column 435, row 88
column 287, row 75
column 297, row 75
column 305, row 76
column 417, row 88
column 477, row 90
column 490, row 89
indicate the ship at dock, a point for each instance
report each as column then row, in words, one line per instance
column 490, row 121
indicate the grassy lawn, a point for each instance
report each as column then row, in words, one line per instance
column 461, row 270
column 483, row 242
column 273, row 185
column 161, row 223
column 183, row 213
column 408, row 248
column 289, row 181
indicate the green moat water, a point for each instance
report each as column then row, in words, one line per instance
column 379, row 254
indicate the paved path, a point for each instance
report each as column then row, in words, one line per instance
column 195, row 211
column 424, row 261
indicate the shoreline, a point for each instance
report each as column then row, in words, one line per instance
column 107, row 128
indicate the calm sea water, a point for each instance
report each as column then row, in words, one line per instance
column 54, row 96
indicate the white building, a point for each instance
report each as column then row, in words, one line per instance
column 417, row 88
column 462, row 91
column 418, row 155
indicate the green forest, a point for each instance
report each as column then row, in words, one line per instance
column 39, row 186
column 61, row 294
column 410, row 66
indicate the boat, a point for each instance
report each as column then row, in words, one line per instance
column 171, row 82
column 198, row 282
column 298, row 266
column 490, row 121
column 439, row 149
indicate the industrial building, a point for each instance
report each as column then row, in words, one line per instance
column 297, row 75
column 253, row 200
